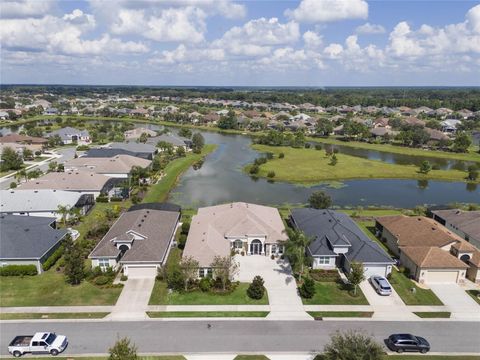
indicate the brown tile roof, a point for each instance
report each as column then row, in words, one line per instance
column 433, row 258
column 464, row 246
column 417, row 231
column 475, row 260
column 69, row 180
column 16, row 138
column 119, row 164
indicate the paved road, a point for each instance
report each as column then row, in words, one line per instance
column 239, row 336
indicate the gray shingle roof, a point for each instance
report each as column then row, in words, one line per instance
column 27, row 237
column 36, row 200
column 330, row 228
column 169, row 138
column 67, row 132
column 133, row 146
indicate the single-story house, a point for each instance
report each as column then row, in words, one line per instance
column 337, row 241
column 176, row 141
column 23, row 139
column 473, row 272
column 83, row 182
column 240, row 227
column 137, row 132
column 139, row 241
column 26, row 240
column 44, row 202
column 71, row 135
column 450, row 125
column 109, row 153
column 118, row 166
column 465, row 224
column 145, row 151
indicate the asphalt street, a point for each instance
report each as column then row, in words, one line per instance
column 239, row 336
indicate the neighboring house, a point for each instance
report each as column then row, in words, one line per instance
column 145, row 151
column 26, row 240
column 137, row 132
column 106, row 152
column 118, row 166
column 139, row 241
column 82, row 182
column 71, row 135
column 240, row 227
column 450, row 125
column 23, row 139
column 18, row 148
column 176, row 141
column 337, row 241
column 43, row 202
column 465, row 224
column 404, row 235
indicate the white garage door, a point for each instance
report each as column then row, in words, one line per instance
column 375, row 270
column 436, row 277
column 136, row 272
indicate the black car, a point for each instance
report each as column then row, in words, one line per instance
column 407, row 342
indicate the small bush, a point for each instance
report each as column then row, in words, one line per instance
column 185, row 227
column 101, row 280
column 182, row 239
column 124, row 278
column 18, row 270
column 102, row 199
column 38, row 153
column 307, row 290
column 254, row 169
column 57, row 254
column 281, row 155
column 205, row 284
column 83, row 147
column 269, row 155
column 307, row 145
column 256, row 290
column 318, row 147
column 13, row 185
column 116, row 199
column 335, row 151
column 271, row 174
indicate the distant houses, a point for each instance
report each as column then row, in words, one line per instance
column 118, row 166
column 70, row 135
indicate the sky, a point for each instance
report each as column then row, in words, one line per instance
column 240, row 43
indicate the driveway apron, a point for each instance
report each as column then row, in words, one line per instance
column 457, row 301
column 132, row 303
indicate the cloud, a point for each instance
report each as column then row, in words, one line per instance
column 473, row 19
column 182, row 54
column 312, row 39
column 368, row 28
column 25, row 8
column 310, row 11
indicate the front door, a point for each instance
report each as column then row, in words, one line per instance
column 256, row 247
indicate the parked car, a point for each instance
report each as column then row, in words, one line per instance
column 381, row 285
column 407, row 342
column 41, row 342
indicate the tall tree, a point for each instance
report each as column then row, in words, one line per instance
column 189, row 268
column 352, row 345
column 296, row 248
column 123, row 350
column 185, row 132
column 197, row 143
column 425, row 167
column 319, row 200
column 356, row 275
column 63, row 210
column 11, row 160
column 74, row 262
column 224, row 268
column 462, row 142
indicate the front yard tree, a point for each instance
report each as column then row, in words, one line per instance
column 197, row 143
column 256, row 290
column 224, row 268
column 356, row 275
column 319, row 200
column 296, row 247
column 123, row 350
column 425, row 167
column 352, row 345
column 462, row 142
column 74, row 262
column 11, row 160
column 189, row 268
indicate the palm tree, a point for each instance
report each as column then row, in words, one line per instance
column 296, row 247
column 64, row 211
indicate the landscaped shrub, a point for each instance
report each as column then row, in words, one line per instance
column 318, row 147
column 324, row 275
column 256, row 290
column 124, row 278
column 307, row 145
column 83, row 147
column 307, row 290
column 185, row 227
column 281, row 155
column 57, row 254
column 13, row 185
column 205, row 284
column 102, row 199
column 18, row 270
column 182, row 239
column 271, row 174
column 175, row 280
column 102, row 280
column 116, row 199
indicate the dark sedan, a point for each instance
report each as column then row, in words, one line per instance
column 407, row 342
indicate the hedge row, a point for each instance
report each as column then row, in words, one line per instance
column 53, row 258
column 18, row 270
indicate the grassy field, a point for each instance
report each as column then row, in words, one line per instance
column 160, row 296
column 396, row 149
column 323, row 314
column 475, row 295
column 335, row 293
column 164, row 357
column 433, row 315
column 174, row 169
column 197, row 314
column 403, row 286
column 310, row 166
column 50, row 289
column 80, row 315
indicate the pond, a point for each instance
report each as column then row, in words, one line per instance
column 221, row 180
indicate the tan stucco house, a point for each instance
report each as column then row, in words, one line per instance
column 239, row 227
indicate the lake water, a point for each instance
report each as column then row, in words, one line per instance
column 221, row 180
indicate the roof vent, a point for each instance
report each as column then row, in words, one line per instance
column 139, row 225
column 27, row 230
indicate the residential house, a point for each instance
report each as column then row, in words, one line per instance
column 436, row 135
column 175, row 140
column 450, row 125
column 26, row 240
column 51, row 111
column 465, row 224
column 137, row 132
column 118, row 166
column 70, row 135
column 139, row 241
column 140, row 150
column 413, row 121
column 23, row 139
column 403, row 235
column 337, row 242
column 45, row 202
column 241, row 227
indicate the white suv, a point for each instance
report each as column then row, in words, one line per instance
column 381, row 285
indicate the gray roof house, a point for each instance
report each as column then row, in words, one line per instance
column 337, row 242
column 70, row 135
column 139, row 241
column 465, row 224
column 144, row 151
column 175, row 140
column 28, row 240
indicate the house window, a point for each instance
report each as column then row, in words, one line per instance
column 274, row 249
column 238, row 244
column 103, row 263
column 324, row 260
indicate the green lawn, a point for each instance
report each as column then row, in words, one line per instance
column 403, row 286
column 475, row 294
column 50, row 289
column 423, row 357
column 470, row 156
column 80, row 315
column 193, row 314
column 335, row 293
column 310, row 166
column 239, row 296
column 159, row 191
column 251, row 357
column 323, row 314
column 165, row 357
column 432, row 315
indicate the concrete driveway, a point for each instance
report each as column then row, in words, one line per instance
column 132, row 303
column 457, row 301
column 285, row 303
column 386, row 307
